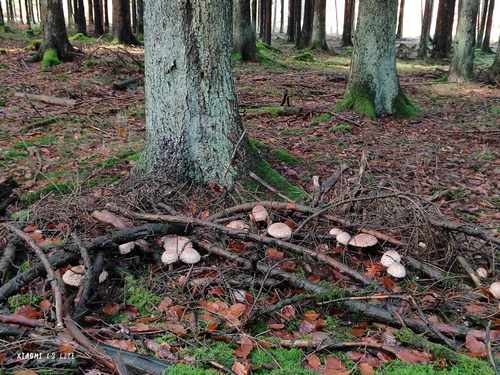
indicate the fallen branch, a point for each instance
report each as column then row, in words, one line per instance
column 470, row 271
column 466, row 229
column 6, row 261
column 269, row 187
column 46, row 99
column 89, row 282
column 22, row 321
column 331, row 181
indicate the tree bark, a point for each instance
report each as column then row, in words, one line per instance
column 307, row 27
column 275, row 15
column 98, row 21
column 193, row 126
column 399, row 33
column 348, row 23
column 254, row 15
column 444, row 28
column 262, row 18
column 10, row 12
column 69, row 6
column 140, row 17
column 134, row 16
column 106, row 16
column 487, row 32
column 80, row 21
column 27, row 8
column 21, row 19
column 494, row 71
column 426, row 29
column 282, row 16
column 54, row 30
column 91, row 12
column 298, row 22
column 122, row 29
column 291, row 21
column 243, row 31
column 373, row 87
column 482, row 23
column 462, row 64
column 267, row 12
column 319, row 25
column 2, row 19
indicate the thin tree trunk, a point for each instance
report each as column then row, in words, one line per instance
column 298, row 22
column 193, row 132
column 27, row 8
column 307, row 26
column 106, row 16
column 462, row 64
column 399, row 33
column 348, row 23
column 268, row 22
column 426, row 29
column 373, row 87
column 80, row 21
column 91, row 12
column 254, row 15
column 98, row 21
column 494, row 71
column 134, row 16
column 39, row 11
column 140, row 17
column 336, row 18
column 2, row 19
column 122, row 29
column 487, row 32
column 54, row 30
column 243, row 32
column 444, row 28
column 21, row 19
column 282, row 16
column 69, row 6
column 319, row 25
column 275, row 12
column 10, row 11
column 482, row 23
column 291, row 21
column 262, row 18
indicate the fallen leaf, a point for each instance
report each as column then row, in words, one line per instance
column 165, row 304
column 176, row 328
column 475, row 346
column 276, row 326
column 28, row 312
column 311, row 316
column 66, row 348
column 107, row 217
column 246, row 346
column 366, row 369
column 288, row 312
column 313, row 361
column 45, row 305
column 334, row 363
column 274, row 254
column 413, row 356
column 127, row 345
column 25, row 372
column 236, row 310
column 241, row 368
column 111, row 309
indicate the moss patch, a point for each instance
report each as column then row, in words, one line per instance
column 403, row 107
column 56, row 188
column 141, row 297
column 289, row 361
column 80, row 37
column 189, row 370
column 34, row 45
column 19, row 300
column 359, row 101
column 50, row 58
column 341, row 128
column 219, row 352
column 319, row 119
column 284, row 156
column 305, row 57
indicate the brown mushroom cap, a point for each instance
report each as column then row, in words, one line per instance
column 74, row 276
column 397, row 270
column 259, row 214
column 495, row 289
column 363, row 240
column 280, row 231
column 343, row 238
column 190, row 256
column 237, row 224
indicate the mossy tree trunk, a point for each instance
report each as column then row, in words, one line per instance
column 307, row 27
column 80, row 22
column 55, row 40
column 98, row 21
column 482, row 22
column 122, row 29
column 399, row 33
column 243, row 32
column 426, row 29
column 494, row 71
column 373, row 87
column 319, row 25
column 462, row 64
column 444, row 29
column 348, row 22
column 193, row 126
column 487, row 32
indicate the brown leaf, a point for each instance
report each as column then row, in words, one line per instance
column 311, row 316
column 25, row 372
column 236, row 310
column 365, row 369
column 127, row 345
column 45, row 305
column 66, row 348
column 475, row 346
column 107, row 217
column 307, row 327
column 274, row 254
column 288, row 312
column 288, row 266
column 28, row 312
column 388, row 283
column 313, row 361
column 111, row 309
column 142, row 327
column 413, row 356
column 246, row 346
column 334, row 363
column 165, row 304
column 176, row 328
column 241, row 368
column 276, row 326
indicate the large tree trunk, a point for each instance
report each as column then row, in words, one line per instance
column 348, row 22
column 307, row 27
column 319, row 25
column 482, row 23
column 140, row 17
column 298, row 22
column 373, row 87
column 54, row 31
column 462, row 64
column 243, row 32
column 80, row 22
column 399, row 33
column 282, row 16
column 426, row 29
column 487, row 32
column 291, row 21
column 444, row 28
column 98, row 21
column 122, row 29
column 28, row 18
column 494, row 71
column 275, row 15
column 193, row 126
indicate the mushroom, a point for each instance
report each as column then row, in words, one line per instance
column 190, row 256
column 495, row 289
column 259, row 214
column 363, row 240
column 390, row 257
column 126, row 248
column 74, row 276
column 175, row 243
column 397, row 270
column 103, row 276
column 343, row 238
column 482, row 272
column 169, row 257
column 237, row 224
column 280, row 231
column 335, row 232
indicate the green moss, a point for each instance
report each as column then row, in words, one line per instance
column 283, row 155
column 359, row 101
column 273, row 111
column 293, row 132
column 289, row 361
column 34, row 45
column 138, row 295
column 495, row 110
column 80, row 37
column 19, row 300
column 400, row 368
column 50, row 58
column 109, row 162
column 21, row 215
column 264, row 170
column 13, row 154
column 57, row 188
column 268, row 56
column 305, row 57
column 319, row 119
column 341, row 128
column 236, row 56
column 219, row 352
column 188, row 370
column 403, row 107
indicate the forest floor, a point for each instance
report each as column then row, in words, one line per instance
column 69, row 160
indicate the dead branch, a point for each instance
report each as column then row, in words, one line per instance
column 90, row 280
column 470, row 271
column 331, row 181
column 269, row 187
column 46, row 99
column 466, row 229
column 8, row 256
column 22, row 321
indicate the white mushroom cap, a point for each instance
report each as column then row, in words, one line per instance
column 335, row 231
column 495, row 289
column 169, row 257
column 176, row 243
column 74, row 276
column 237, row 224
column 363, row 240
column 190, row 256
column 103, row 276
column 397, row 270
column 390, row 257
column 482, row 272
column 259, row 213
column 280, row 231
column 126, row 248
column 343, row 238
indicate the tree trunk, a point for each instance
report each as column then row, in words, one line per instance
column 282, row 16
column 291, row 21
column 348, row 22
column 262, row 18
column 267, row 21
column 462, row 64
column 275, row 13
column 444, row 28
column 426, row 29
column 243, row 32
column 307, row 27
column 122, row 30
column 487, row 32
column 254, row 15
column 482, row 23
column 140, row 17
column 98, row 22
column 2, row 19
column 21, row 11
column 319, row 25
column 27, row 8
column 80, row 22
column 373, row 87
column 54, row 31
column 134, row 16
column 336, row 18
column 193, row 126
column 399, row 33
column 10, row 11
column 298, row 22
column 69, row 5
column 106, row 16
column 494, row 71
column 91, row 12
